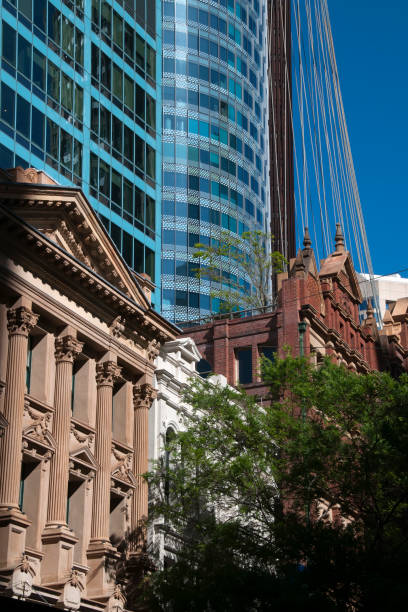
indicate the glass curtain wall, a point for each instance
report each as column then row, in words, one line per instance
column 80, row 98
column 215, row 141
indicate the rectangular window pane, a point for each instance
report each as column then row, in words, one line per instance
column 117, row 30
column 150, row 61
column 140, row 102
column 37, row 127
column 67, row 91
column 39, row 69
column 117, row 133
column 105, row 124
column 139, row 204
column 79, row 102
column 150, row 212
column 68, row 34
column 116, row 187
column 8, row 100
column 139, row 152
column 104, row 178
column 129, row 93
column 77, row 158
column 150, row 162
column 52, row 139
column 66, row 149
column 53, row 81
column 117, row 82
column 24, row 57
column 23, row 117
column 140, row 51
column 9, row 44
column 54, row 23
column 150, row 111
column 244, row 365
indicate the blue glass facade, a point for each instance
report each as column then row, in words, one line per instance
column 215, row 140
column 81, row 99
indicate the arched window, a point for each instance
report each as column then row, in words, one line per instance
column 203, row 367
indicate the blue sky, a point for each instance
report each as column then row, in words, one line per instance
column 371, row 45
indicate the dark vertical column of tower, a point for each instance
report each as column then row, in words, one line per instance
column 280, row 129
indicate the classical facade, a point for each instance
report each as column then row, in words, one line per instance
column 317, row 314
column 78, row 345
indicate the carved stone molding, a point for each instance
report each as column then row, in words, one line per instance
column 107, row 373
column 83, row 438
column 117, row 600
column 20, row 321
column 67, row 348
column 143, row 395
column 73, row 244
column 117, row 327
column 22, row 579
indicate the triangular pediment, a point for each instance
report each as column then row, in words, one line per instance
column 84, row 455
column 186, row 346
column 66, row 218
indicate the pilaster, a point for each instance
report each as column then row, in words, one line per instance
column 143, row 396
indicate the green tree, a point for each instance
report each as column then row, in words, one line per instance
column 277, row 512
column 252, row 257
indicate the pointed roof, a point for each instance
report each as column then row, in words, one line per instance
column 340, row 265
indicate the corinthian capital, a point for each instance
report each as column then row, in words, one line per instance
column 21, row 321
column 143, row 395
column 107, row 373
column 67, row 348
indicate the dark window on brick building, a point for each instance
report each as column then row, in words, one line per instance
column 244, row 365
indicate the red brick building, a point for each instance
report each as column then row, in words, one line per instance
column 317, row 314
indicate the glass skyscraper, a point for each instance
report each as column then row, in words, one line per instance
column 81, row 100
column 215, row 140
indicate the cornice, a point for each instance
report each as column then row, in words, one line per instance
column 84, row 327
column 76, row 279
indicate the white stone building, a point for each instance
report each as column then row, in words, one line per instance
column 389, row 289
column 175, row 367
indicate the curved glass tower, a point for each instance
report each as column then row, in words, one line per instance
column 215, row 140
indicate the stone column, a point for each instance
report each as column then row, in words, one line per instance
column 58, row 539
column 106, row 374
column 13, row 523
column 102, row 555
column 66, row 349
column 143, row 396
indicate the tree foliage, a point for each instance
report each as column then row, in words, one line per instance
column 278, row 512
column 251, row 254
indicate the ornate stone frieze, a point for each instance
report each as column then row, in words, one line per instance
column 74, row 244
column 21, row 320
column 117, row 327
column 22, row 579
column 67, row 348
column 143, row 395
column 83, row 438
column 121, row 470
column 38, row 442
column 71, row 594
column 107, row 373
column 117, row 600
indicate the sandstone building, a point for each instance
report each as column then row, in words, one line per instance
column 78, row 342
